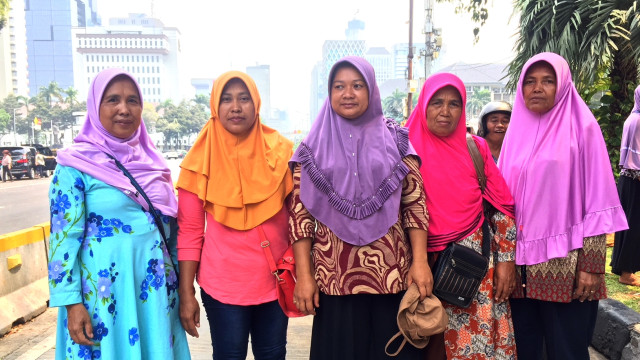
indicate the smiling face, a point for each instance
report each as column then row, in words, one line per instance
column 349, row 93
column 236, row 111
column 497, row 124
column 443, row 111
column 539, row 87
column 121, row 108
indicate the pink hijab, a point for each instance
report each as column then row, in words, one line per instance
column 630, row 146
column 138, row 154
column 453, row 195
column 557, row 167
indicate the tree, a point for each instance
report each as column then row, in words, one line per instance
column 5, row 121
column 150, row 117
column 393, row 105
column 4, row 9
column 601, row 42
column 51, row 91
column 72, row 96
column 477, row 101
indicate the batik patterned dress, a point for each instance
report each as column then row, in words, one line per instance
column 107, row 253
column 484, row 330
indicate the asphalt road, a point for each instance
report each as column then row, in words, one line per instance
column 24, row 203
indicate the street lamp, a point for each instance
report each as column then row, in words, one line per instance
column 15, row 140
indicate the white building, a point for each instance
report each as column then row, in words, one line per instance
column 13, row 53
column 382, row 62
column 142, row 46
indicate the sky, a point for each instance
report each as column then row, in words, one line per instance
column 222, row 35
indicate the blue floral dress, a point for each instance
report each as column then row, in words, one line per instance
column 107, row 253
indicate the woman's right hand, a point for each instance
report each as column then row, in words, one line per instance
column 306, row 294
column 79, row 324
column 190, row 313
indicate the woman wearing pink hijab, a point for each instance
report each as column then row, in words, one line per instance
column 556, row 164
column 437, row 130
column 625, row 260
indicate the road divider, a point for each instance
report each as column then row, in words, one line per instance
column 24, row 290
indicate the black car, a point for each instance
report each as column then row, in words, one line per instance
column 23, row 160
column 50, row 162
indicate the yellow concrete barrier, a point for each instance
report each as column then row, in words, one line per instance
column 24, row 289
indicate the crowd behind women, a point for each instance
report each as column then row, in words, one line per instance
column 367, row 205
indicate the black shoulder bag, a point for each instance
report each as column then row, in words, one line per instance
column 459, row 270
column 152, row 210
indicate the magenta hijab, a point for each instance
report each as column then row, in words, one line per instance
column 557, row 167
column 453, row 195
column 630, row 147
column 138, row 154
column 352, row 170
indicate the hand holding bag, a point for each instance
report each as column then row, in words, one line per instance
column 284, row 271
column 459, row 270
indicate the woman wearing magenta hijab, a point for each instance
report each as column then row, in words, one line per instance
column 437, row 129
column 625, row 260
column 357, row 207
column 556, row 164
column 112, row 254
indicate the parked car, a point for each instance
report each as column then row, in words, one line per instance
column 50, row 162
column 171, row 155
column 23, row 160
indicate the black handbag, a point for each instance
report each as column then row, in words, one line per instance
column 459, row 270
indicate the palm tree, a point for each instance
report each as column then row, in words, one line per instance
column 51, row 91
column 393, row 105
column 601, row 42
column 72, row 96
column 476, row 101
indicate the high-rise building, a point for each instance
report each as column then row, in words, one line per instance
column 49, row 40
column 13, row 53
column 261, row 74
column 141, row 45
column 382, row 62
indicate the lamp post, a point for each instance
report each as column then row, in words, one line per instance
column 15, row 140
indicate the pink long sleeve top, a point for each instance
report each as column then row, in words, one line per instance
column 233, row 268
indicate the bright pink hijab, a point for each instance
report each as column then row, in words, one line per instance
column 138, row 154
column 557, row 167
column 453, row 195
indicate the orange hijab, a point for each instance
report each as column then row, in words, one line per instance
column 243, row 182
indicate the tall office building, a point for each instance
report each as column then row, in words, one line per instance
column 261, row 74
column 49, row 40
column 13, row 53
column 142, row 46
column 382, row 62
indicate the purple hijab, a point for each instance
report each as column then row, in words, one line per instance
column 557, row 167
column 630, row 147
column 352, row 170
column 136, row 153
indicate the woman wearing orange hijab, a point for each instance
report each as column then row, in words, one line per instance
column 236, row 177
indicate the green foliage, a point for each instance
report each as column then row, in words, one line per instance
column 4, row 10
column 5, row 121
column 188, row 117
column 392, row 105
column 477, row 101
column 626, row 294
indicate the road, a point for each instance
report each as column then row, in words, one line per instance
column 25, row 202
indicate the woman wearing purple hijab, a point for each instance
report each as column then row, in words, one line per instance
column 625, row 260
column 555, row 162
column 358, row 207
column 111, row 272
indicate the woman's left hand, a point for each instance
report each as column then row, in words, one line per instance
column 420, row 273
column 504, row 280
column 586, row 285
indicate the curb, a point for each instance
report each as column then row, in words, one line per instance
column 617, row 332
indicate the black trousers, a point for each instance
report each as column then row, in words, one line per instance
column 564, row 329
column 357, row 327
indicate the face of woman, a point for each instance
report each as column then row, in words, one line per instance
column 443, row 111
column 349, row 93
column 539, row 87
column 121, row 108
column 236, row 111
column 497, row 124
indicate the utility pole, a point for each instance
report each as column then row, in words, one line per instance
column 410, row 59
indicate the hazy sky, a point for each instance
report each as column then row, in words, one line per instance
column 220, row 35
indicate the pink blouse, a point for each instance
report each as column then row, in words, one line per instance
column 233, row 268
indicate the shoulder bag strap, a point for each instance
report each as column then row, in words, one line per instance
column 264, row 243
column 135, row 184
column 478, row 164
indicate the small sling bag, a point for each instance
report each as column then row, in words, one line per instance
column 459, row 270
